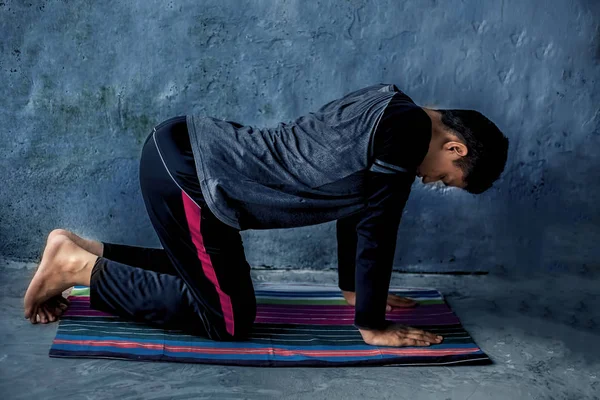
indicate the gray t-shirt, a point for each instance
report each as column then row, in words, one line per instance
column 303, row 172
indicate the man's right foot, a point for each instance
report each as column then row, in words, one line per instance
column 54, row 307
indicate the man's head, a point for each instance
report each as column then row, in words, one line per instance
column 466, row 150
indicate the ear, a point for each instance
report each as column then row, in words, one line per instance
column 458, row 149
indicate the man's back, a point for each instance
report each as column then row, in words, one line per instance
column 304, row 172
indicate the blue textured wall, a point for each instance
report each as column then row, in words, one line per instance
column 84, row 82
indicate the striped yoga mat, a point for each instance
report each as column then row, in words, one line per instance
column 296, row 325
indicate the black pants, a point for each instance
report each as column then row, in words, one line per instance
column 200, row 280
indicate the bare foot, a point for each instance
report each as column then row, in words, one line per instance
column 59, row 269
column 54, row 307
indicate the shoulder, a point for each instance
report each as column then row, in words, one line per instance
column 404, row 134
column 403, row 115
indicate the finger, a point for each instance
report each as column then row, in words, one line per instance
column 401, row 301
column 425, row 336
column 416, row 336
column 422, row 332
column 403, row 305
column 434, row 336
column 414, row 342
column 388, row 308
column 415, row 330
column 431, row 337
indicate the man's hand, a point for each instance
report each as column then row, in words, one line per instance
column 392, row 300
column 399, row 335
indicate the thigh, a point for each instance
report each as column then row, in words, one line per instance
column 206, row 253
column 172, row 140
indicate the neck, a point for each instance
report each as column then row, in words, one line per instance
column 438, row 132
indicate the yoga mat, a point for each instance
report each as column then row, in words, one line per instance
column 296, row 325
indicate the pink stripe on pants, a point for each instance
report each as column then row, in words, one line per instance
column 192, row 213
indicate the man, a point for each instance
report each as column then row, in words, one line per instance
column 354, row 160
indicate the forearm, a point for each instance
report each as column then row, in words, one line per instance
column 373, row 274
column 376, row 245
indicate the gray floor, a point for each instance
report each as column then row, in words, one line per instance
column 542, row 334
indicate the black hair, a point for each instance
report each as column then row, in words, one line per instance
column 487, row 148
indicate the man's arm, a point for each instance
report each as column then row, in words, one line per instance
column 374, row 265
column 377, row 233
column 367, row 240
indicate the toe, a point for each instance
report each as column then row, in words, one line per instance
column 43, row 314
column 54, row 308
column 32, row 313
column 50, row 313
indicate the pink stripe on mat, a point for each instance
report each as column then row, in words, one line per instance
column 124, row 344
column 192, row 213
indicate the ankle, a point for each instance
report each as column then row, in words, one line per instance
column 81, row 272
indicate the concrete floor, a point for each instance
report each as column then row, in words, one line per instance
column 542, row 334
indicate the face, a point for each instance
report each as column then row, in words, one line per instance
column 438, row 164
